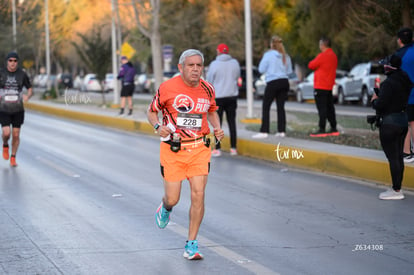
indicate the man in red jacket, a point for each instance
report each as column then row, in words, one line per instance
column 324, row 65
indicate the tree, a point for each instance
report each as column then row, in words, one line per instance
column 96, row 54
column 147, row 20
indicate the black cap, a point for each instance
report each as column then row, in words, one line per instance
column 405, row 35
column 12, row 55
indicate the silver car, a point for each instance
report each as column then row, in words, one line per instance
column 260, row 85
column 305, row 89
column 359, row 84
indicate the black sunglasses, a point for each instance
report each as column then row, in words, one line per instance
column 12, row 60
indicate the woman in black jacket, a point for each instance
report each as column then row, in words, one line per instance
column 390, row 104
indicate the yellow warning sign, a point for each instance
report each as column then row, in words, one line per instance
column 127, row 50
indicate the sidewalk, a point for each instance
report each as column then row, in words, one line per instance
column 364, row 164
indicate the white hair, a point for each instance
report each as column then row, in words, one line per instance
column 188, row 53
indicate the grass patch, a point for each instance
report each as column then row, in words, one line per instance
column 355, row 131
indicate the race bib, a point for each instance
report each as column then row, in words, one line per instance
column 189, row 121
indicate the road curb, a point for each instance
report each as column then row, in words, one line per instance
column 337, row 164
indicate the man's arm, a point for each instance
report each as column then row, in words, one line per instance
column 152, row 117
column 214, row 120
column 29, row 94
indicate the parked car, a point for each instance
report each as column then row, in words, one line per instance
column 41, row 80
column 91, row 84
column 78, row 82
column 305, row 89
column 242, row 81
column 260, row 85
column 109, row 83
column 359, row 84
column 144, row 83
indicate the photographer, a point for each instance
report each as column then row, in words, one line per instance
column 390, row 104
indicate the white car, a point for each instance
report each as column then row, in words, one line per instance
column 109, row 83
column 91, row 84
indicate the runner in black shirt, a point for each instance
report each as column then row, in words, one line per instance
column 12, row 81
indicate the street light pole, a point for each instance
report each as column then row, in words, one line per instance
column 114, row 59
column 14, row 25
column 47, row 46
column 249, row 65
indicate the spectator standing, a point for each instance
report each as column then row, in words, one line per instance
column 127, row 75
column 324, row 65
column 12, row 81
column 276, row 65
column 188, row 105
column 390, row 104
column 406, row 53
column 223, row 73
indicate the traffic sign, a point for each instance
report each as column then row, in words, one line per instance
column 127, row 50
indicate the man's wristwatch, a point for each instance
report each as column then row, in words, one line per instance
column 156, row 126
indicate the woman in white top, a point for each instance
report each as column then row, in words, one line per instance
column 276, row 65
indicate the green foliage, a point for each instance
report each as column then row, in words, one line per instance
column 49, row 94
column 95, row 52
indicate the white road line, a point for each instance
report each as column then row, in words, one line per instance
column 238, row 259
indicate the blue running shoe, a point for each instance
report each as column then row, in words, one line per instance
column 191, row 251
column 162, row 216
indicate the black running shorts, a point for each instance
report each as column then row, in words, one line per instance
column 14, row 119
column 127, row 90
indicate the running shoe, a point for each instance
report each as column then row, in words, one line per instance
column 391, row 194
column 6, row 152
column 260, row 135
column 191, row 251
column 408, row 158
column 319, row 133
column 233, row 152
column 216, row 153
column 333, row 132
column 162, row 216
column 13, row 162
column 280, row 134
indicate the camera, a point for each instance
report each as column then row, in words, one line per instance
column 374, row 120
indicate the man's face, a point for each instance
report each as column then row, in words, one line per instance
column 192, row 70
column 12, row 64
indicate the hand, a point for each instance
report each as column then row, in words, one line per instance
column 25, row 98
column 218, row 133
column 374, row 96
column 164, row 131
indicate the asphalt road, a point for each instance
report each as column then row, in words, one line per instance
column 82, row 201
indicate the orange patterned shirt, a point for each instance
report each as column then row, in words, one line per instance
column 185, row 107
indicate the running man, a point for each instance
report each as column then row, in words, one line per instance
column 12, row 81
column 187, row 104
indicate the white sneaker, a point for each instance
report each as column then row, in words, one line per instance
column 260, row 135
column 233, row 152
column 390, row 194
column 408, row 158
column 215, row 153
column 281, row 134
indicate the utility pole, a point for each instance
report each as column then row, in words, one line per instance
column 249, row 62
